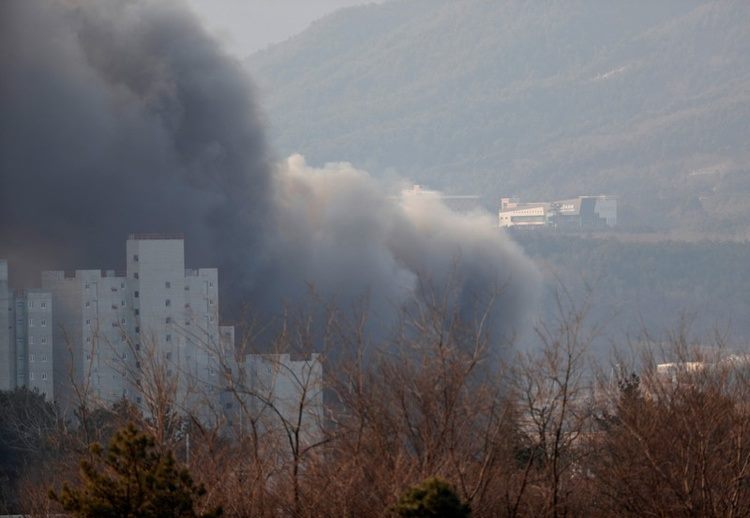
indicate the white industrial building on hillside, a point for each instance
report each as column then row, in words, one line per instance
column 582, row 212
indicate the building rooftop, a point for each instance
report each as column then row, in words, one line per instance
column 142, row 237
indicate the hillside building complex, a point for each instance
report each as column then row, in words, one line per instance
column 583, row 212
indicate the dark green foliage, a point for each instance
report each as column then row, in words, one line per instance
column 132, row 479
column 432, row 498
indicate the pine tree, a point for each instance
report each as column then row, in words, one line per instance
column 432, row 498
column 132, row 479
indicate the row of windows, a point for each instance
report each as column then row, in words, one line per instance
column 87, row 286
column 44, row 376
column 42, row 305
column 43, row 340
column 42, row 322
column 114, row 306
column 42, row 357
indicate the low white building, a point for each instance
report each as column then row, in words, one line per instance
column 285, row 392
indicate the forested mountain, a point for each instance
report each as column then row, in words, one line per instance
column 646, row 100
column 640, row 287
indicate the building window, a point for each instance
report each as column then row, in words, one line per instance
column 211, row 318
column 169, row 356
column 122, row 321
column 88, row 304
column 31, row 357
column 122, row 303
column 44, row 305
column 88, row 339
column 167, row 303
column 187, row 287
column 88, row 356
column 44, row 357
column 135, row 294
column 31, row 304
column 135, row 258
column 210, row 302
column 210, row 284
column 169, row 338
column 137, row 311
column 31, row 376
column 31, row 340
column 44, row 376
column 167, row 284
column 44, row 339
column 135, row 275
column 88, row 321
column 31, row 322
column 86, row 286
column 43, row 323
column 168, row 320
column 114, row 289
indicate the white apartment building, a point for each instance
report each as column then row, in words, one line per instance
column 99, row 336
column 26, row 341
column 114, row 329
column 34, row 342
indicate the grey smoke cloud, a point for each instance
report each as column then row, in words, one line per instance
column 122, row 117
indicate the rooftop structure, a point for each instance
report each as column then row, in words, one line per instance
column 457, row 202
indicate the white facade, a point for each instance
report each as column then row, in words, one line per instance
column 91, row 332
column 26, row 341
column 34, row 342
column 113, row 327
column 285, row 391
column 583, row 212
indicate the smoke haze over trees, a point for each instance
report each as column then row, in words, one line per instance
column 124, row 117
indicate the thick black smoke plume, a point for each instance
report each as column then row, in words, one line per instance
column 125, row 116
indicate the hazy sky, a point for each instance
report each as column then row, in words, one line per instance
column 249, row 25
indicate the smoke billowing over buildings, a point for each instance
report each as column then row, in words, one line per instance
column 122, row 117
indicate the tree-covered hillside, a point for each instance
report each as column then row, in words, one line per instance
column 646, row 100
column 632, row 288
